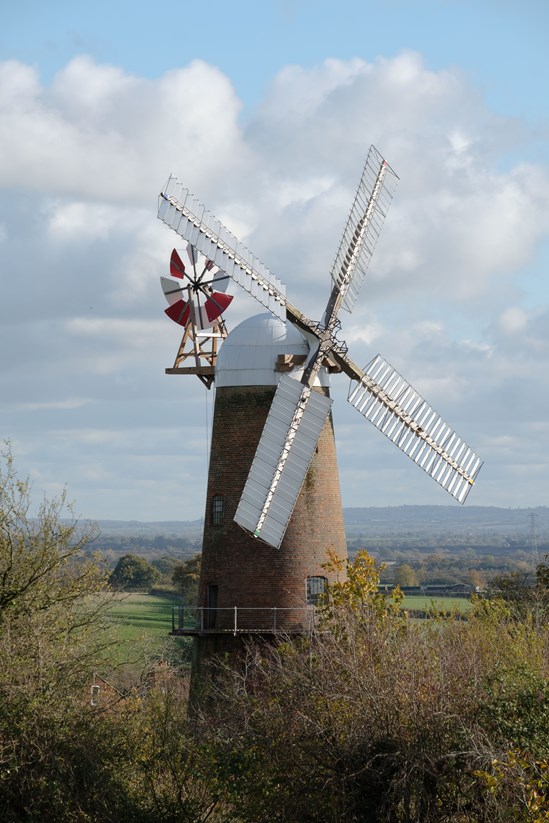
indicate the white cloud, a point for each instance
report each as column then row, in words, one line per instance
column 101, row 133
column 480, row 347
column 91, row 93
column 19, row 86
column 81, row 163
column 69, row 403
column 77, row 221
column 513, row 320
column 134, row 333
column 367, row 332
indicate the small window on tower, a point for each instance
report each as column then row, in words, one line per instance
column 316, row 586
column 218, row 509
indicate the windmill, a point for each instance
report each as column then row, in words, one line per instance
column 298, row 413
column 196, row 299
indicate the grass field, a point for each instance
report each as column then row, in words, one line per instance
column 140, row 613
column 142, row 621
column 440, row 603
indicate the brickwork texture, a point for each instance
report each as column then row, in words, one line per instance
column 241, row 570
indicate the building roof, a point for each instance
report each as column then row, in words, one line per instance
column 249, row 355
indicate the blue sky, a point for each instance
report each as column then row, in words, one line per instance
column 266, row 111
column 501, row 44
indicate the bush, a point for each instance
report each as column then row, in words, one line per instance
column 133, row 572
column 381, row 719
column 52, row 637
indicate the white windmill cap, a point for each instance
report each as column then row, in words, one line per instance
column 249, row 354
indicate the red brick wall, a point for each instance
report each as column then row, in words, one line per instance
column 248, row 573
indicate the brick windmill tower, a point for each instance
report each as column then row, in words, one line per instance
column 273, row 507
column 249, row 586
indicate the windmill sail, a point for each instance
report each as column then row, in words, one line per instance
column 187, row 216
column 400, row 413
column 368, row 212
column 286, row 447
column 298, row 413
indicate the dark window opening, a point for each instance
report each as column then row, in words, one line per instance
column 316, row 586
column 217, row 510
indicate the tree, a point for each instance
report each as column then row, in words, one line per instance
column 41, row 561
column 542, row 574
column 405, row 575
column 53, row 636
column 526, row 595
column 62, row 759
column 133, row 572
column 477, row 579
column 185, row 578
column 383, row 719
column 165, row 565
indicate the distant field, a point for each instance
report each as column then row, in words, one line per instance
column 146, row 615
column 143, row 613
column 441, row 603
column 142, row 622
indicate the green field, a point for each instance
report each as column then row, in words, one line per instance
column 142, row 623
column 141, row 613
column 446, row 604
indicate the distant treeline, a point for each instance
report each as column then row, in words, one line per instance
column 436, row 544
column 443, row 519
column 148, row 545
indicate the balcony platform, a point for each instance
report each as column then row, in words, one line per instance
column 238, row 620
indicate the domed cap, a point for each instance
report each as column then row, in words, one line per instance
column 248, row 356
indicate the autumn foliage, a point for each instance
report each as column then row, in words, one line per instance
column 374, row 717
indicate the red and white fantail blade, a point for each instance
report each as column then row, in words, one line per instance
column 220, row 280
column 179, row 312
column 201, row 300
column 172, row 290
column 215, row 306
column 177, row 267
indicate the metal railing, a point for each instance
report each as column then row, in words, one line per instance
column 242, row 619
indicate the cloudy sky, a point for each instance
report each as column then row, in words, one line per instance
column 266, row 112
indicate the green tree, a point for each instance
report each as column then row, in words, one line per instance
column 542, row 575
column 165, row 565
column 53, row 636
column 185, row 578
column 527, row 595
column 41, row 560
column 62, row 759
column 133, row 572
column 405, row 575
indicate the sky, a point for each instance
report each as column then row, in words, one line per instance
column 266, row 112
